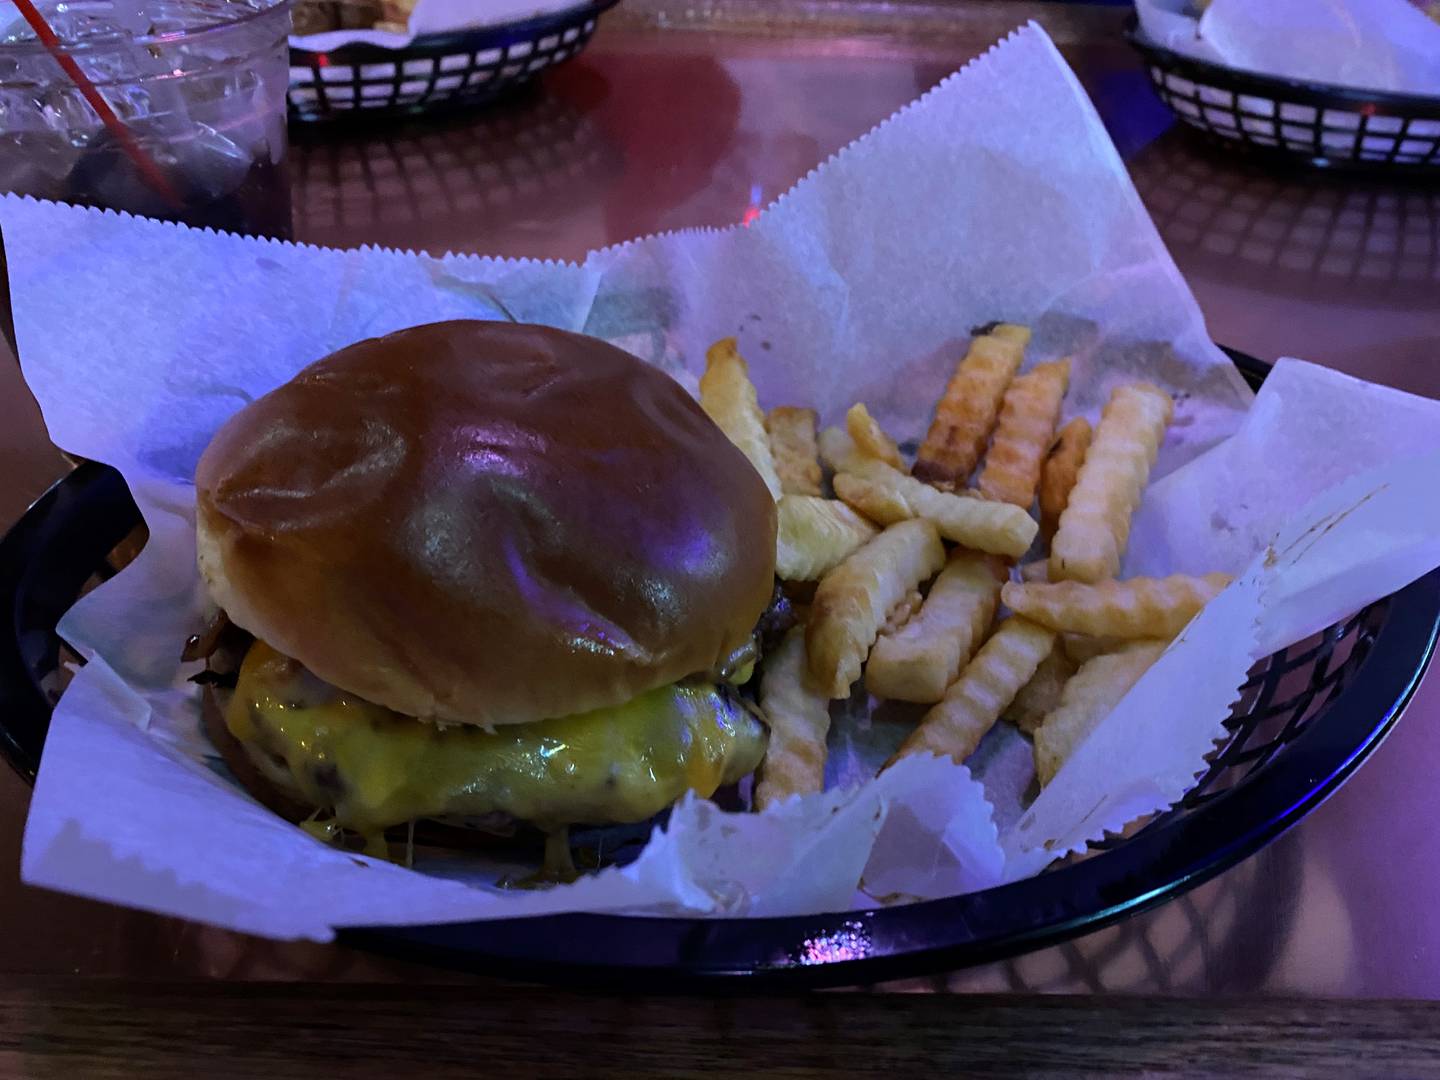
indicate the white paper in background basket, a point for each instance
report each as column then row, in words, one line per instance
column 1367, row 44
column 996, row 196
column 438, row 17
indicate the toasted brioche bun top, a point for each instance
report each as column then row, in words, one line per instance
column 487, row 523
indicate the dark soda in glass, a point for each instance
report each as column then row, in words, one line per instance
column 199, row 84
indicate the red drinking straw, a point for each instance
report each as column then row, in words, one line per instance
column 149, row 171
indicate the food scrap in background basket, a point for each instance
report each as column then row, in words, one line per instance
column 393, row 23
column 319, row 16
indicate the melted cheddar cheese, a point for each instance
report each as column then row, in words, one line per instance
column 376, row 769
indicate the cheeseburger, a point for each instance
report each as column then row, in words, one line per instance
column 481, row 571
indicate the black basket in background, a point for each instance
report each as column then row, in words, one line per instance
column 1315, row 124
column 441, row 71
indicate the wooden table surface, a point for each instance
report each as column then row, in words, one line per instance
column 653, row 131
column 101, row 1029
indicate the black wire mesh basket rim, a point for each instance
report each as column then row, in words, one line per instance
column 436, row 45
column 1175, row 852
column 1298, row 91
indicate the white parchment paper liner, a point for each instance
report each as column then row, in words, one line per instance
column 1366, row 44
column 1326, row 493
column 998, row 195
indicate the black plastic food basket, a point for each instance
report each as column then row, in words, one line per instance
column 1313, row 124
column 1306, row 719
column 442, row 71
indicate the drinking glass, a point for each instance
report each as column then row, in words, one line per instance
column 200, row 86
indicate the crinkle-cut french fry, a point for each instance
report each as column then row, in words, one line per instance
column 1090, row 696
column 815, row 535
column 851, row 601
column 986, row 687
column 1096, row 523
column 1081, row 648
column 1036, row 571
column 1028, row 413
column 870, row 437
column 728, row 397
column 887, row 495
column 901, row 614
column 1134, row 608
column 799, row 718
column 793, row 447
column 919, row 660
column 966, row 412
column 1058, row 473
column 838, row 450
column 1039, row 697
